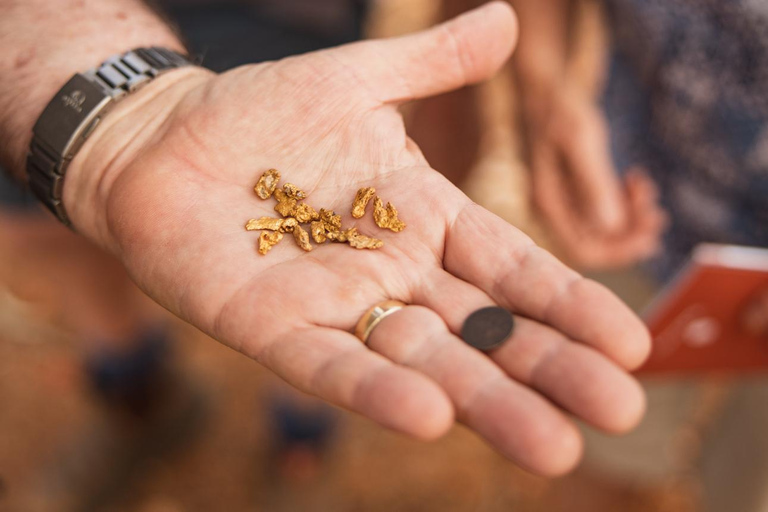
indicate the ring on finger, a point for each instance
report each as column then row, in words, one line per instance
column 374, row 315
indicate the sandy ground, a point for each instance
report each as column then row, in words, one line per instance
column 44, row 404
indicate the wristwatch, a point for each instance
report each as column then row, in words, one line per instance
column 76, row 110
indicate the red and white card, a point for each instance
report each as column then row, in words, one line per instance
column 696, row 320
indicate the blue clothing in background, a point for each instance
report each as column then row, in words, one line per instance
column 688, row 99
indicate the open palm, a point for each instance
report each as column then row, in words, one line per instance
column 178, row 193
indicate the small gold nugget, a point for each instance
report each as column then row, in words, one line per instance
column 355, row 239
column 359, row 241
column 386, row 217
column 286, row 205
column 362, row 198
column 289, row 225
column 324, row 225
column 267, row 240
column 293, row 191
column 267, row 184
column 337, row 236
column 318, row 231
column 271, row 223
column 302, row 238
column 305, row 213
column 331, row 220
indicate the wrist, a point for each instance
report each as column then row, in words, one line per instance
column 133, row 125
column 52, row 48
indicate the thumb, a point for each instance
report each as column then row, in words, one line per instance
column 465, row 50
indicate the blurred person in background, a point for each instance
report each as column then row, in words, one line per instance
column 680, row 134
column 671, row 152
column 165, row 179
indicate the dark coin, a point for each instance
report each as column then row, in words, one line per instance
column 487, row 328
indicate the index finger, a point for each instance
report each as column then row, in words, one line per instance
column 488, row 252
column 587, row 154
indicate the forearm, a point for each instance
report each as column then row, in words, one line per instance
column 543, row 47
column 45, row 42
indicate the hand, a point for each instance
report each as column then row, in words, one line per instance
column 755, row 316
column 597, row 221
column 166, row 184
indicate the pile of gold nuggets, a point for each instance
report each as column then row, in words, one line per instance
column 324, row 225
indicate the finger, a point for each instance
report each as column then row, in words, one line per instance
column 555, row 202
column 500, row 260
column 648, row 220
column 465, row 50
column 589, row 248
column 337, row 367
column 588, row 158
column 572, row 375
column 640, row 183
column 517, row 421
column 553, row 199
column 641, row 241
column 643, row 195
column 549, row 192
column 294, row 319
column 613, row 254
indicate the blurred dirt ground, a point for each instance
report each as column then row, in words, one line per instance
column 44, row 402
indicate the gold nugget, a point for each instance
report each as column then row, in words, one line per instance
column 271, row 223
column 289, row 225
column 293, row 191
column 362, row 198
column 267, row 184
column 324, row 225
column 286, row 205
column 331, row 220
column 386, row 217
column 302, row 238
column 267, row 240
column 359, row 241
column 318, row 231
column 305, row 213
column 337, row 236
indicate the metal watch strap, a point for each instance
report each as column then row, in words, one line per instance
column 76, row 111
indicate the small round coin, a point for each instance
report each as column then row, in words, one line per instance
column 487, row 328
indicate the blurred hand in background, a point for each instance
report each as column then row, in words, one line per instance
column 599, row 219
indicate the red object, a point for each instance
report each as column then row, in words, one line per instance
column 696, row 321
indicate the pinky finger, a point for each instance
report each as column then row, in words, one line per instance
column 335, row 366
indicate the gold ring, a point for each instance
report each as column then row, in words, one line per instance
column 373, row 316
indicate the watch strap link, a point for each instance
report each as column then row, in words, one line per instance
column 76, row 110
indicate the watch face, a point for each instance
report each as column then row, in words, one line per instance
column 67, row 115
column 74, row 100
